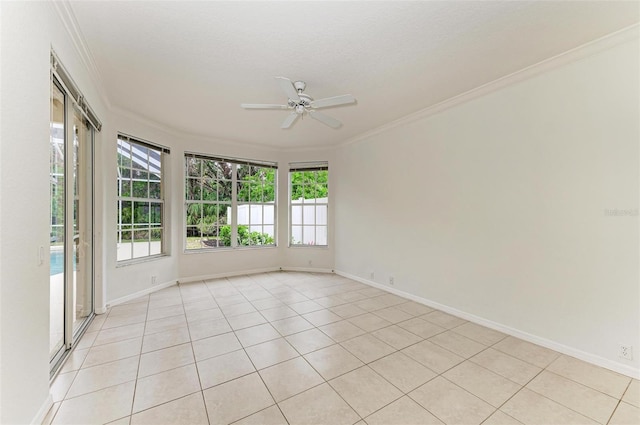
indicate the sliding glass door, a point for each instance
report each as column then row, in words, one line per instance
column 71, row 234
column 57, row 244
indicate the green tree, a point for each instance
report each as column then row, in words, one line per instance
column 309, row 184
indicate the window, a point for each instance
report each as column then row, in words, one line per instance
column 229, row 202
column 309, row 203
column 140, row 199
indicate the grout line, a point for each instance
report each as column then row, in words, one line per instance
column 293, row 289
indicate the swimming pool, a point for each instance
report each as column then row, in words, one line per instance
column 57, row 263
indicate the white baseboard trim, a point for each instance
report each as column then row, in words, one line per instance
column 305, row 269
column 561, row 348
column 190, row 279
column 135, row 295
column 42, row 412
column 226, row 274
column 101, row 310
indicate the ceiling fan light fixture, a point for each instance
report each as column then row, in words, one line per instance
column 302, row 103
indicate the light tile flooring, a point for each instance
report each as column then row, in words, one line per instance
column 301, row 348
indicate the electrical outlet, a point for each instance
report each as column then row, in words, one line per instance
column 371, row 275
column 310, row 262
column 154, row 280
column 391, row 281
column 626, row 352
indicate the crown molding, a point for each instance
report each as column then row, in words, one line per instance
column 70, row 24
column 185, row 134
column 603, row 43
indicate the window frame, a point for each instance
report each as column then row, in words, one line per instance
column 151, row 226
column 307, row 167
column 233, row 205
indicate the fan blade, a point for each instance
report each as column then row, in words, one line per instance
column 288, row 88
column 263, row 106
column 333, row 101
column 288, row 122
column 325, row 119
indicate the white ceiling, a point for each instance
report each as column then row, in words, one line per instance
column 189, row 65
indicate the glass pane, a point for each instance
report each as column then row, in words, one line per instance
column 82, row 224
column 244, row 214
column 296, row 214
column 321, row 235
column 224, row 190
column 193, row 238
column 141, row 243
column 194, row 214
column 155, row 214
column 309, row 235
column 124, row 154
column 256, row 214
column 155, row 190
column 243, row 189
column 193, row 190
column 321, row 214
column 124, row 173
column 269, row 214
column 269, row 185
column 141, row 213
column 155, row 247
column 322, row 177
column 270, row 230
column 208, row 225
column 125, row 187
column 125, row 246
column 322, row 193
column 57, row 222
column 296, row 235
column 140, row 189
column 309, row 214
column 224, row 215
column 297, row 192
column 209, row 189
column 243, row 236
column 255, row 192
column 210, row 170
column 193, row 166
column 125, row 215
column 224, row 235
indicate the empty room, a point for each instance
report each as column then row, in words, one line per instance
column 319, row 212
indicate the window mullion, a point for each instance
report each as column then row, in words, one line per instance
column 234, row 206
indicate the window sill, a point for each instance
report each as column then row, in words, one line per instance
column 125, row 263
column 227, row 249
column 309, row 246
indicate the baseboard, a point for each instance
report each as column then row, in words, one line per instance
column 135, row 295
column 226, row 274
column 305, row 269
column 561, row 348
column 42, row 412
column 190, row 279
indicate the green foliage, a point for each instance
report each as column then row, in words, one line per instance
column 245, row 238
column 309, row 184
column 256, row 184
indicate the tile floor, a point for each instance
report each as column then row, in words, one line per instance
column 301, row 348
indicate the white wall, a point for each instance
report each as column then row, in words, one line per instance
column 28, row 32
column 496, row 207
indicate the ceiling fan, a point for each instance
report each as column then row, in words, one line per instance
column 301, row 103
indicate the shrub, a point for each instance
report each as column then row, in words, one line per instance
column 245, row 237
